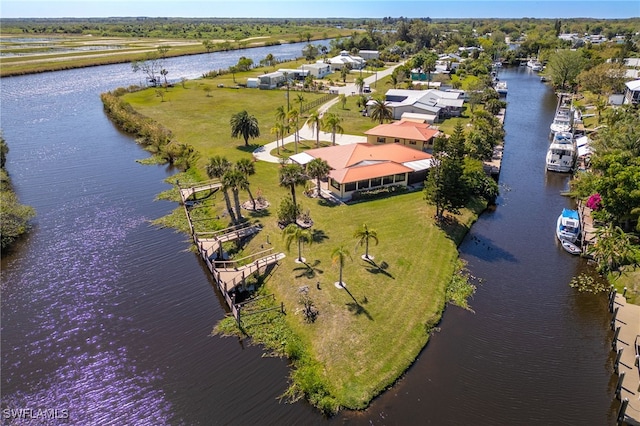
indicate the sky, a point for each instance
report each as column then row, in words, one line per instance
column 320, row 9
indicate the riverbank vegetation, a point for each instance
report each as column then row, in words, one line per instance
column 14, row 217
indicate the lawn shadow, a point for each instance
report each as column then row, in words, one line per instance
column 318, row 236
column 378, row 269
column 308, row 270
column 248, row 148
column 259, row 213
column 357, row 307
column 452, row 227
column 327, row 202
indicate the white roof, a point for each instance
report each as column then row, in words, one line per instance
column 301, row 158
column 633, row 85
column 419, row 165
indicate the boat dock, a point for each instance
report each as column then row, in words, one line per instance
column 626, row 344
column 230, row 275
column 492, row 167
column 587, row 227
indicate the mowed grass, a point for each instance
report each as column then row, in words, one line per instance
column 368, row 334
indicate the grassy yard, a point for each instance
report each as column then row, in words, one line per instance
column 366, row 336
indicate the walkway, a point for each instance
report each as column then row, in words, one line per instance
column 627, row 319
column 306, row 133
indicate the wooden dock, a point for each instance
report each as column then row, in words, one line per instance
column 492, row 167
column 588, row 230
column 230, row 276
column 626, row 344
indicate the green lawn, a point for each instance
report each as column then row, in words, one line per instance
column 363, row 338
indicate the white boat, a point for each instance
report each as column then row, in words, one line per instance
column 568, row 226
column 561, row 155
column 570, row 247
column 534, row 65
column 563, row 118
column 501, row 88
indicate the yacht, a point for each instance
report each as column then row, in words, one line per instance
column 534, row 65
column 563, row 119
column 561, row 155
column 501, row 88
column 568, row 226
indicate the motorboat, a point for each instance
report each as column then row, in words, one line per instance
column 571, row 248
column 534, row 65
column 501, row 88
column 563, row 118
column 561, row 155
column 568, row 226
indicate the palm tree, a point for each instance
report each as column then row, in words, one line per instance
column 235, row 180
column 339, row 255
column 363, row 235
column 381, row 111
column 247, row 168
column 281, row 114
column 293, row 117
column 315, row 122
column 245, row 125
column 216, row 168
column 342, row 98
column 300, row 99
column 318, row 169
column 278, row 129
column 332, row 123
column 294, row 232
column 359, row 84
column 290, row 176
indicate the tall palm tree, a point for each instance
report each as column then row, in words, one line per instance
column 332, row 123
column 216, row 168
column 359, row 82
column 290, row 176
column 300, row 99
column 318, row 169
column 315, row 123
column 281, row 114
column 293, row 232
column 278, row 129
column 342, row 98
column 293, row 116
column 245, row 125
column 363, row 235
column 234, row 179
column 339, row 255
column 247, row 168
column 381, row 111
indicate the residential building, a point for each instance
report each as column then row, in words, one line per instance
column 369, row 54
column 438, row 103
column 363, row 167
column 317, row 70
column 344, row 59
column 407, row 132
column 632, row 92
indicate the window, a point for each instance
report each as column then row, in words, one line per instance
column 363, row 184
column 396, row 140
column 381, row 139
column 387, row 180
column 412, row 142
column 376, row 182
column 400, row 177
column 335, row 184
column 350, row 186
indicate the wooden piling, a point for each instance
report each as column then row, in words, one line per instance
column 621, row 411
column 619, row 385
column 615, row 338
column 616, row 365
column 613, row 319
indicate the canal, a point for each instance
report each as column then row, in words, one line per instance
column 110, row 318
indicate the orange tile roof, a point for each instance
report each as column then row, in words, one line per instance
column 359, row 161
column 404, row 129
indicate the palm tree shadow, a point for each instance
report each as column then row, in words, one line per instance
column 379, row 269
column 318, row 235
column 356, row 307
column 309, row 270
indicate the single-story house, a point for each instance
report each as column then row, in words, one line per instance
column 362, row 166
column 410, row 133
column 253, row 82
column 294, row 73
column 345, row 59
column 632, row 92
column 317, row 70
column 440, row 103
column 369, row 54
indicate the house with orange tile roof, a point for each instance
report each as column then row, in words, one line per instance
column 413, row 134
column 363, row 166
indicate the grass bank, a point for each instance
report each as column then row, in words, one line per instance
column 366, row 335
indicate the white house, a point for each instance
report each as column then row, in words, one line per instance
column 632, row 92
column 432, row 102
column 345, row 59
column 271, row 80
column 317, row 70
column 369, row 54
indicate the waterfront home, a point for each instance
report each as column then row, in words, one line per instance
column 344, row 59
column 410, row 133
column 317, row 70
column 363, row 167
column 441, row 104
column 632, row 92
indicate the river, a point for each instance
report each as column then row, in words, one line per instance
column 109, row 318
